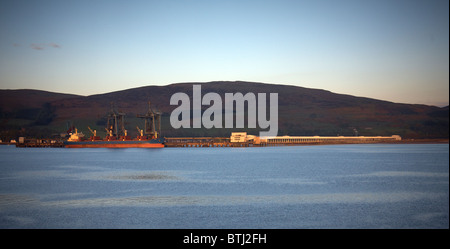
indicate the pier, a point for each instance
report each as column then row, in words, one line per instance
column 199, row 142
column 238, row 139
column 289, row 140
column 46, row 143
column 242, row 139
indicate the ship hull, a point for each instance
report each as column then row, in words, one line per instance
column 154, row 143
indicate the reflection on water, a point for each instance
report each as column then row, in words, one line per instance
column 348, row 186
column 9, row 201
column 347, row 198
column 153, row 176
column 404, row 173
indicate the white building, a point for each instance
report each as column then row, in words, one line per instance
column 242, row 137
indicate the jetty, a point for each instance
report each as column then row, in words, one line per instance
column 32, row 142
column 239, row 139
column 242, row 139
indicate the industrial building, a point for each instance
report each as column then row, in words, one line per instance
column 242, row 137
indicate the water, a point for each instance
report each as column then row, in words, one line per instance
column 336, row 186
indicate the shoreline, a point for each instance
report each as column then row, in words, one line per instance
column 403, row 141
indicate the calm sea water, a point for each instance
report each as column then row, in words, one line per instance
column 336, row 186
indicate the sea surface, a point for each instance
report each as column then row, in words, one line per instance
column 326, row 186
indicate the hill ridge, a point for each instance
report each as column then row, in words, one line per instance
column 302, row 111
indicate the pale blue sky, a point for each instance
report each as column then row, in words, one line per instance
column 396, row 50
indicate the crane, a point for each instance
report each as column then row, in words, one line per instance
column 94, row 132
column 140, row 131
column 152, row 120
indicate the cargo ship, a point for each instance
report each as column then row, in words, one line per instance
column 116, row 135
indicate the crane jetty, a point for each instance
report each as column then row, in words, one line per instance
column 116, row 134
column 237, row 139
column 150, row 137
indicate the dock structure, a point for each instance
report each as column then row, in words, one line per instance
column 250, row 140
column 242, row 139
column 239, row 139
column 292, row 140
column 197, row 142
column 35, row 143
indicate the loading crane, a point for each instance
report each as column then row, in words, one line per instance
column 141, row 132
column 94, row 132
column 152, row 120
column 115, row 123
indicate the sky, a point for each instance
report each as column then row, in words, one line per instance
column 394, row 50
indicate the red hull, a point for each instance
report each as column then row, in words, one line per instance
column 114, row 146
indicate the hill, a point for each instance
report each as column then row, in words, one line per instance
column 302, row 111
